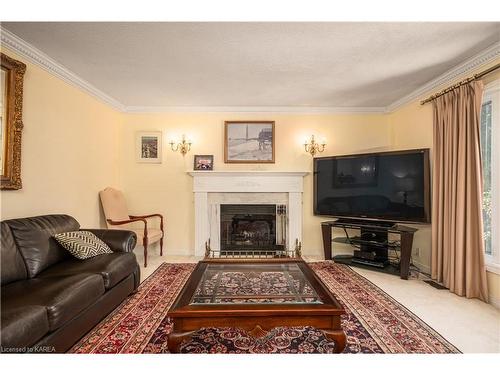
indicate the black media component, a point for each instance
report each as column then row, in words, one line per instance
column 373, row 247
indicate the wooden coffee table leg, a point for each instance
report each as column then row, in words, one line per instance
column 338, row 336
column 175, row 339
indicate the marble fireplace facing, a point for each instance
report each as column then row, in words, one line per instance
column 253, row 210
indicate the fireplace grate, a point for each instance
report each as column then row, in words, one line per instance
column 254, row 254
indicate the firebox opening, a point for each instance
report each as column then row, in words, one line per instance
column 246, row 227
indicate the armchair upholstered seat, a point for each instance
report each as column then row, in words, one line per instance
column 116, row 213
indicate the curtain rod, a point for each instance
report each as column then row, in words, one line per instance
column 463, row 82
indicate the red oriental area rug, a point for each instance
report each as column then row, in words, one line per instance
column 374, row 322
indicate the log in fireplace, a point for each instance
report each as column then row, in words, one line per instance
column 251, row 227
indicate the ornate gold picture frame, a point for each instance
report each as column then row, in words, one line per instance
column 11, row 122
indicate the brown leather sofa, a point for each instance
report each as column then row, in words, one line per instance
column 49, row 299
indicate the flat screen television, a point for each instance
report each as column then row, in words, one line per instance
column 387, row 186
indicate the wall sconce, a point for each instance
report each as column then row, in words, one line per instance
column 183, row 146
column 313, row 147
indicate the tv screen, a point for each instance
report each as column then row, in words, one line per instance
column 391, row 186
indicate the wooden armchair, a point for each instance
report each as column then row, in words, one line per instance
column 116, row 213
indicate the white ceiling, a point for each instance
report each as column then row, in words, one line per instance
column 258, row 64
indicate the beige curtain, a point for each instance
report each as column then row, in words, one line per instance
column 457, row 223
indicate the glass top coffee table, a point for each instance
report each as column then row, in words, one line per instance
column 255, row 295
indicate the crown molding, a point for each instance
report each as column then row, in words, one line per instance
column 254, row 109
column 39, row 58
column 483, row 58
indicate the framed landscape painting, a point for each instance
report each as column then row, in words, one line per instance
column 148, row 147
column 249, row 142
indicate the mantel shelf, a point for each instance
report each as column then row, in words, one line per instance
column 246, row 173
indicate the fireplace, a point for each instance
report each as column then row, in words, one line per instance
column 252, row 227
column 212, row 189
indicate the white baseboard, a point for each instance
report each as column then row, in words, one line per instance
column 494, row 302
column 423, row 267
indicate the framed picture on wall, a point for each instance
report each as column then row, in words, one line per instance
column 249, row 142
column 203, row 162
column 148, row 147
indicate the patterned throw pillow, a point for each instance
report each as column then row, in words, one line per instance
column 82, row 244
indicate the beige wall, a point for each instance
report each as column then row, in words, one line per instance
column 411, row 127
column 167, row 189
column 69, row 150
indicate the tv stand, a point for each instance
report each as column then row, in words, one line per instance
column 372, row 244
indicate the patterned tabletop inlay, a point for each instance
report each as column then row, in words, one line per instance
column 243, row 284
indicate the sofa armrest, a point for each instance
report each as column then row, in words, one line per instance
column 117, row 240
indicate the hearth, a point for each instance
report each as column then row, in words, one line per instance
column 252, row 227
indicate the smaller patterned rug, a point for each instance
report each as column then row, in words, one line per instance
column 374, row 322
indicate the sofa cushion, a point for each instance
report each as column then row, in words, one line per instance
column 112, row 267
column 12, row 264
column 63, row 297
column 82, row 244
column 33, row 237
column 23, row 326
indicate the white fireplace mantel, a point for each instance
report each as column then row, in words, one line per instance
column 246, row 182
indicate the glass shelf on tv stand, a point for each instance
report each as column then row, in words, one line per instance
column 390, row 268
column 358, row 241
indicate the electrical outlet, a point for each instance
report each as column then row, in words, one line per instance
column 417, row 252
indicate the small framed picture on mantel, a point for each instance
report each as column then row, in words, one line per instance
column 148, row 147
column 203, row 162
column 249, row 142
